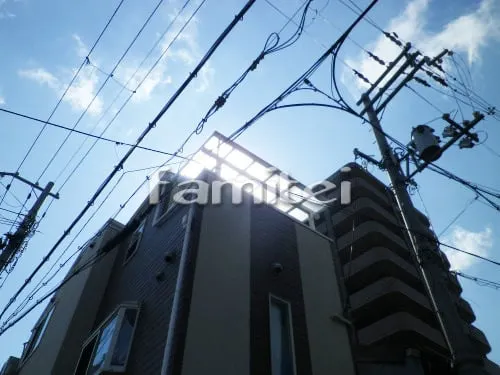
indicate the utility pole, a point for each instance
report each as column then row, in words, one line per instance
column 18, row 238
column 425, row 252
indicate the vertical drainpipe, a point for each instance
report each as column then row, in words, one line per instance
column 166, row 367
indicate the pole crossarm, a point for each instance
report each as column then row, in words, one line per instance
column 27, row 182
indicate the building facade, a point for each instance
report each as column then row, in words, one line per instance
column 297, row 288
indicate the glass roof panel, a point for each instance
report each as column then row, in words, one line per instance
column 239, row 159
column 218, row 147
column 258, row 171
column 192, row 169
column 298, row 214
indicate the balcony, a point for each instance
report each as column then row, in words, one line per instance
column 385, row 297
column 465, row 311
column 376, row 263
column 361, row 210
column 368, row 235
column 403, row 329
column 479, row 338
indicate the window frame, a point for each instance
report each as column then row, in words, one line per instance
column 119, row 313
column 160, row 215
column 288, row 307
column 36, row 338
column 141, row 228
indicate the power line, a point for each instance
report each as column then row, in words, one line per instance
column 270, row 46
column 117, row 64
column 10, row 211
column 76, row 131
column 174, row 39
column 7, row 190
column 43, row 281
column 66, row 90
column 102, row 254
column 478, row 280
column 133, row 92
column 146, row 131
column 454, row 220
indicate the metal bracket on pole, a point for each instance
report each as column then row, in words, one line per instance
column 27, row 182
column 468, row 125
column 368, row 158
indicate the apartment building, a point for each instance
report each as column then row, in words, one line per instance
column 241, row 282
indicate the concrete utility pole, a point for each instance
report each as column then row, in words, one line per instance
column 466, row 359
column 16, row 240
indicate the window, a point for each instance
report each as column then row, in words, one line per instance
column 38, row 332
column 166, row 203
column 134, row 241
column 108, row 348
column 281, row 337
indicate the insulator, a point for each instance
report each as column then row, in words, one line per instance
column 466, row 143
column 449, row 132
column 422, row 81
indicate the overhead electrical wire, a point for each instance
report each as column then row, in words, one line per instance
column 44, row 280
column 10, row 211
column 7, row 190
column 99, row 137
column 124, row 104
column 478, row 280
column 75, row 76
column 469, row 94
column 103, row 84
column 146, row 131
column 446, row 245
column 80, row 132
column 134, row 75
column 454, row 220
column 269, row 48
column 271, row 45
column 93, row 260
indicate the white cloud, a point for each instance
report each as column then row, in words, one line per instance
column 82, row 91
column 2, row 100
column 466, row 34
column 206, row 77
column 80, row 94
column 41, row 76
column 479, row 243
column 81, row 48
column 4, row 11
column 185, row 50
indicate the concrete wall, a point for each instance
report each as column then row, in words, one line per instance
column 76, row 305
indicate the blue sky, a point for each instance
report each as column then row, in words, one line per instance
column 42, row 43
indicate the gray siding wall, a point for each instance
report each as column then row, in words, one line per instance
column 136, row 281
column 329, row 343
column 218, row 334
column 76, row 306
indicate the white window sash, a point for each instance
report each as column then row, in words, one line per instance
column 290, row 328
column 119, row 313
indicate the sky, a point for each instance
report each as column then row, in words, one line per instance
column 43, row 44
